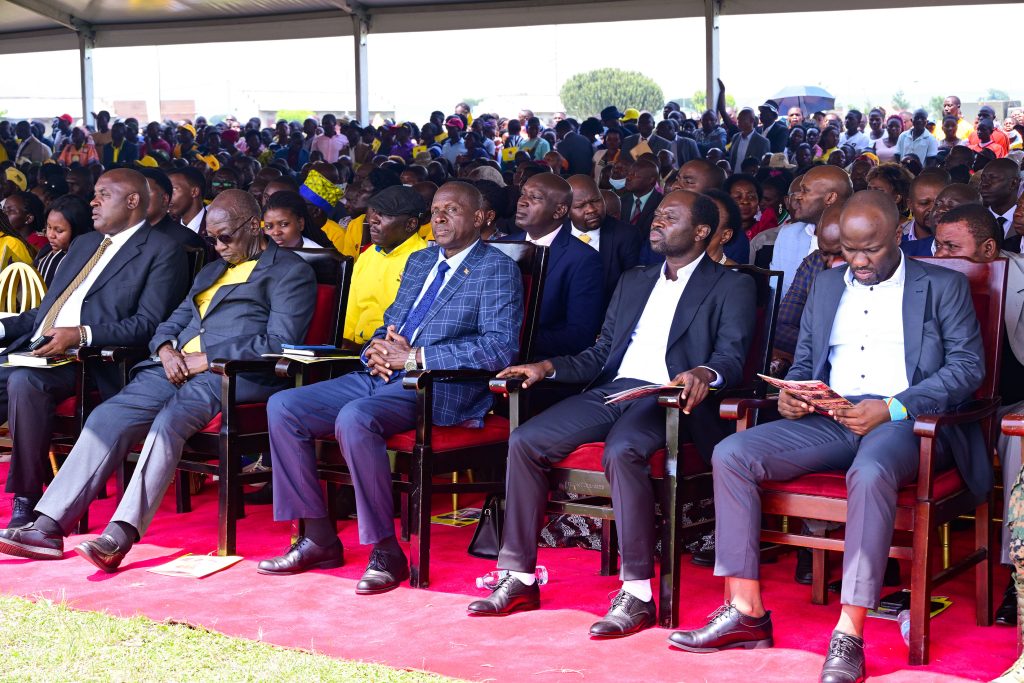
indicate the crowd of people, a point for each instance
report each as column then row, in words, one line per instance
column 643, row 218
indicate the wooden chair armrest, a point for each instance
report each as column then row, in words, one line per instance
column 505, row 387
column 1013, row 425
column 418, row 379
column 121, row 354
column 928, row 425
column 85, row 353
column 738, row 408
column 289, row 367
column 227, row 368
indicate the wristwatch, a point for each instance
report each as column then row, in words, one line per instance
column 410, row 362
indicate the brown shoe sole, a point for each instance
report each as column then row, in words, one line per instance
column 31, row 552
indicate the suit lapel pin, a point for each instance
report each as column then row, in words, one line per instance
column 465, row 271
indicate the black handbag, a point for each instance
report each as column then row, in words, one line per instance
column 487, row 537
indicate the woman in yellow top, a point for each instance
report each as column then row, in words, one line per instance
column 79, row 151
column 22, row 212
column 393, row 218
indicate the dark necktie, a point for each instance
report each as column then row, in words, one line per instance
column 636, row 211
column 1002, row 224
column 417, row 314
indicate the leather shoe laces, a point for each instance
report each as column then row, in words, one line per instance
column 841, row 648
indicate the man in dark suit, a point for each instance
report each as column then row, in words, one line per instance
column 460, row 305
column 900, row 339
column 573, row 298
column 772, row 127
column 113, row 288
column 120, row 153
column 249, row 302
column 159, row 219
column 641, row 198
column 574, row 148
column 646, row 139
column 617, row 242
column 748, row 143
column 697, row 319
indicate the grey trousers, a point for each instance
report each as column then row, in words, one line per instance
column 876, row 465
column 152, row 409
column 1009, row 458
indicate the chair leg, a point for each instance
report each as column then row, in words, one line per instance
column 983, row 570
column 671, row 558
column 921, row 586
column 83, row 524
column 229, row 494
column 422, row 486
column 182, row 495
column 820, row 576
column 609, row 548
column 405, row 512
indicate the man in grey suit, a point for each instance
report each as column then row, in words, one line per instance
column 247, row 303
column 748, row 143
column 645, row 124
column 971, row 231
column 900, row 339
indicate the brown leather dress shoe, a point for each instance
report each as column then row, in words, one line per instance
column 627, row 615
column 103, row 552
column 510, row 595
column 726, row 629
column 302, row 556
column 844, row 662
column 383, row 573
column 30, row 542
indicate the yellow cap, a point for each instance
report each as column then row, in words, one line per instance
column 630, row 115
column 148, row 162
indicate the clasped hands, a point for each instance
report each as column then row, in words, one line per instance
column 386, row 356
column 178, row 366
column 859, row 419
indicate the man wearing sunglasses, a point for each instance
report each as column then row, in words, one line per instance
column 247, row 303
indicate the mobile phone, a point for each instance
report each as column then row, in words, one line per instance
column 39, row 343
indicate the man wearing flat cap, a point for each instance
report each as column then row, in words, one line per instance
column 393, row 217
column 772, row 127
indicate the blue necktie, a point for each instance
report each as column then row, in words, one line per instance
column 417, row 314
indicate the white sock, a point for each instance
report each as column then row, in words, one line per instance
column 523, row 577
column 640, row 589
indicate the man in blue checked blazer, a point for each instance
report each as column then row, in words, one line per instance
column 460, row 305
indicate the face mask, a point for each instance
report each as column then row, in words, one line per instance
column 617, row 183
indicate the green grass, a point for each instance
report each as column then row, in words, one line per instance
column 45, row 641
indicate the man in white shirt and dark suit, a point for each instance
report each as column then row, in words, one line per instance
column 748, row 143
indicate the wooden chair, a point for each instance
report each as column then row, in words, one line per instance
column 922, row 507
column 678, row 471
column 430, row 450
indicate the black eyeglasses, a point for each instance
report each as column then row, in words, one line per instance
column 228, row 238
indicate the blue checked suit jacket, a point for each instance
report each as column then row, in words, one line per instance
column 473, row 323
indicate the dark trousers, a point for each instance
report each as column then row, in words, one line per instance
column 876, row 465
column 361, row 412
column 632, row 431
column 28, row 397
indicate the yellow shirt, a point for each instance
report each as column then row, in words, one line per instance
column 336, row 234
column 16, row 250
column 232, row 276
column 427, row 232
column 346, row 240
column 375, row 281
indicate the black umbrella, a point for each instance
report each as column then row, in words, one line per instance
column 810, row 98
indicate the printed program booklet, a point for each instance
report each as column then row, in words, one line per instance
column 196, row 566
column 813, row 392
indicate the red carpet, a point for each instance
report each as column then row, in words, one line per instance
column 429, row 629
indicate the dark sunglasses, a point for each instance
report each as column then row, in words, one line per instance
column 228, row 238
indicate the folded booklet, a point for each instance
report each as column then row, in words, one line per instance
column 196, row 566
column 812, row 392
column 637, row 392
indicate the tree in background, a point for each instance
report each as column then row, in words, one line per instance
column 995, row 95
column 299, row 115
column 900, row 101
column 935, row 108
column 699, row 101
column 586, row 94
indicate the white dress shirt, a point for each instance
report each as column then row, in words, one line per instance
column 544, row 241
column 196, row 222
column 645, row 356
column 70, row 314
column 741, row 146
column 1007, row 223
column 866, row 349
column 594, row 235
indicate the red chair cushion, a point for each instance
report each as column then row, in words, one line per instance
column 494, row 431
column 252, row 417
column 320, row 327
column 66, row 408
column 588, row 457
column 833, row 485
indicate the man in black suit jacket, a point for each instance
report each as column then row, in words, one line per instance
column 113, row 288
column 701, row 345
column 573, row 300
column 249, row 302
column 157, row 215
column 900, row 339
column 127, row 151
column 645, row 124
column 755, row 145
column 616, row 241
column 574, row 148
column 772, row 127
column 641, row 197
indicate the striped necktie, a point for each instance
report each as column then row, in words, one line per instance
column 51, row 315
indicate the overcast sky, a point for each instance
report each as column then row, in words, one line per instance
column 861, row 57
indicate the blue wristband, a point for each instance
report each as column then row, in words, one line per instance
column 897, row 411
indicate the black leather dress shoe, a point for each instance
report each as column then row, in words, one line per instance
column 22, row 511
column 510, row 595
column 727, row 628
column 303, row 556
column 1006, row 613
column 845, row 660
column 804, row 567
column 627, row 615
column 103, row 552
column 30, row 542
column 383, row 573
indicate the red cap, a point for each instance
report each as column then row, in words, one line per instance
column 66, row 118
column 455, row 122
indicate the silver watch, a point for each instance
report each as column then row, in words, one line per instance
column 410, row 362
